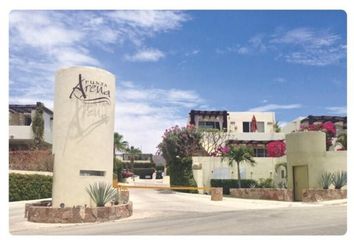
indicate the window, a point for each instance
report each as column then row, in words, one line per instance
column 260, row 152
column 92, row 173
column 247, row 127
column 28, row 120
column 209, row 125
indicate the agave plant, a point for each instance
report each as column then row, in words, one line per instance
column 339, row 179
column 101, row 193
column 326, row 180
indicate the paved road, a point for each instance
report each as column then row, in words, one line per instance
column 166, row 213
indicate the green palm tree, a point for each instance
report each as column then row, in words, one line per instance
column 133, row 154
column 119, row 144
column 240, row 154
column 276, row 127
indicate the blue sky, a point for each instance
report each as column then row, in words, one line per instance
column 169, row 62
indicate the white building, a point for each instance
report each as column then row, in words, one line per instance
column 254, row 129
column 20, row 125
column 238, row 127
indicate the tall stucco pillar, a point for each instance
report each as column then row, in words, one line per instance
column 83, row 128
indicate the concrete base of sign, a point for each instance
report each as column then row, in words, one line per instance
column 41, row 213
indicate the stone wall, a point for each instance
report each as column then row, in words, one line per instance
column 263, row 193
column 314, row 195
column 36, row 160
column 46, row 214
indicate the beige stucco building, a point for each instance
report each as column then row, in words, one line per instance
column 305, row 160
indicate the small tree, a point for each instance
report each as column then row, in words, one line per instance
column 238, row 154
column 133, row 155
column 212, row 139
column 178, row 146
column 38, row 125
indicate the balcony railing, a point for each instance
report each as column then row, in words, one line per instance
column 20, row 132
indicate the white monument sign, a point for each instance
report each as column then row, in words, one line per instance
column 82, row 133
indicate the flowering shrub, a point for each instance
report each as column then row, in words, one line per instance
column 327, row 127
column 220, row 151
column 178, row 145
column 276, row 149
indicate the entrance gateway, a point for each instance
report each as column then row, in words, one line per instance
column 301, row 181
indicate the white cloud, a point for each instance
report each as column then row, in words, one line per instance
column 301, row 36
column 337, row 110
column 146, row 55
column 192, row 53
column 150, row 20
column 43, row 41
column 143, row 114
column 272, row 107
column 310, row 46
column 313, row 47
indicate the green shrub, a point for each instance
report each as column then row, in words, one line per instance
column 265, row 183
column 326, row 180
column 28, row 187
column 226, row 184
column 339, row 179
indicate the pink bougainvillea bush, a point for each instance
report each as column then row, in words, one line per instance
column 276, row 149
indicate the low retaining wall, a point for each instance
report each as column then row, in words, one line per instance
column 262, row 193
column 314, row 195
column 35, row 160
column 46, row 214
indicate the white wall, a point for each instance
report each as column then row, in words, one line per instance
column 20, row 132
column 264, row 168
column 239, row 117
